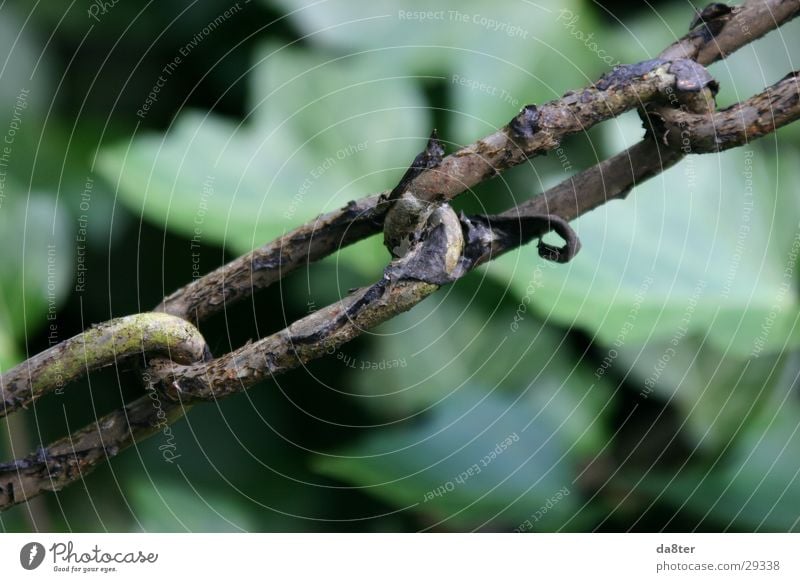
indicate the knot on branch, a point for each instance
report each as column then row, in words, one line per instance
column 446, row 256
column 428, row 158
column 537, row 129
column 425, row 237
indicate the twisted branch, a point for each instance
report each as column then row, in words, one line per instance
column 656, row 87
column 66, row 460
column 713, row 40
column 102, row 345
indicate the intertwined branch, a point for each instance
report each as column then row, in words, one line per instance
column 675, row 96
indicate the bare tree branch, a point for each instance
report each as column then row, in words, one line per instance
column 723, row 34
column 400, row 289
column 682, row 131
column 661, row 84
column 69, row 459
column 104, row 344
column 707, row 43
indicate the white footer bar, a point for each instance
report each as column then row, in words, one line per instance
column 401, row 557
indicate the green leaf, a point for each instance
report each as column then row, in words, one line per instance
column 753, row 485
column 180, row 507
column 25, row 70
column 481, row 461
column 451, row 379
column 693, row 247
column 322, row 132
column 420, row 360
column 644, row 36
column 493, row 59
column 36, row 270
column 29, row 222
column 715, row 393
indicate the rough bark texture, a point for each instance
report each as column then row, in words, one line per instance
column 70, row 458
column 101, row 345
column 679, row 132
column 262, row 267
column 718, row 37
column 66, row 460
column 756, row 117
column 406, row 281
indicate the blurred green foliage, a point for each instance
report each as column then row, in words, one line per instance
column 649, row 384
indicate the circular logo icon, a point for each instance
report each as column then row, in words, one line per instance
column 31, row 555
